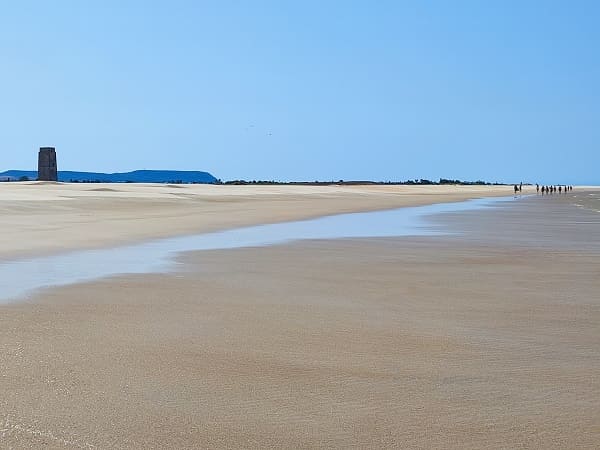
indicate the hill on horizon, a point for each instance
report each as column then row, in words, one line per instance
column 136, row 176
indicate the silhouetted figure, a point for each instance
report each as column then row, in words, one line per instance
column 560, row 189
column 543, row 190
column 521, row 186
column 516, row 189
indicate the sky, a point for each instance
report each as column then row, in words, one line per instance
column 504, row 91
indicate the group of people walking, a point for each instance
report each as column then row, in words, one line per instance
column 545, row 189
column 552, row 189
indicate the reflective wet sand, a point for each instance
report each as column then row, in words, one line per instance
column 21, row 277
column 52, row 218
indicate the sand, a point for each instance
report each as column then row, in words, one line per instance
column 49, row 218
column 487, row 339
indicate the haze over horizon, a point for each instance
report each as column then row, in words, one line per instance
column 498, row 91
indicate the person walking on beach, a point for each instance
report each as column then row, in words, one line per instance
column 516, row 189
column 560, row 189
column 521, row 186
column 537, row 188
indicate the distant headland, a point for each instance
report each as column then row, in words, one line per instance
column 137, row 176
column 197, row 177
column 48, row 171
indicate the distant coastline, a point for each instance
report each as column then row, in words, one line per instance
column 136, row 176
column 418, row 182
column 198, row 177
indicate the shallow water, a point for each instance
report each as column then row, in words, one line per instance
column 588, row 200
column 20, row 278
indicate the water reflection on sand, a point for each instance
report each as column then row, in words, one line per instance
column 18, row 278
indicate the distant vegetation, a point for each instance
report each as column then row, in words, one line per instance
column 195, row 177
column 421, row 181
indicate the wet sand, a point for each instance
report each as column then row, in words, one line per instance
column 487, row 339
column 54, row 217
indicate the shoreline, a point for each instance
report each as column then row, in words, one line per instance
column 48, row 219
column 24, row 277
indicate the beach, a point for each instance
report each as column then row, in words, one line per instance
column 45, row 218
column 483, row 338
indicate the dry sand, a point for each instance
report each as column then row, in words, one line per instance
column 46, row 218
column 484, row 340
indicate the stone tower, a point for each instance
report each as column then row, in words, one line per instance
column 47, row 164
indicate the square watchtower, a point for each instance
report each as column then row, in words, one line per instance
column 47, row 170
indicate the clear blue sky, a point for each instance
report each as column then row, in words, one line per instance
column 304, row 90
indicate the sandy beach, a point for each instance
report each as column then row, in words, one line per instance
column 483, row 339
column 49, row 218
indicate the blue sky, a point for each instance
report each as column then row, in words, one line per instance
column 389, row 90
